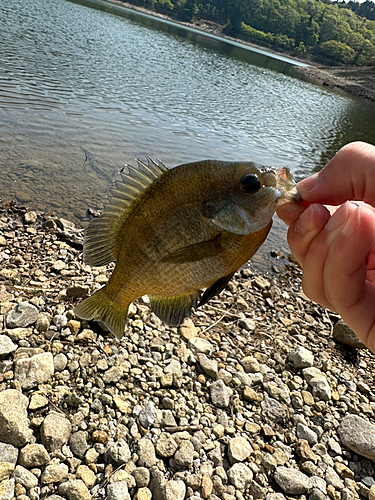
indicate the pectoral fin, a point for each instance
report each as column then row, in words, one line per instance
column 227, row 216
column 215, row 289
column 195, row 252
column 173, row 310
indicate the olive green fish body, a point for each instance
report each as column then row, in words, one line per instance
column 175, row 232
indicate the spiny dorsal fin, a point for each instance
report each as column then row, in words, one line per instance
column 101, row 234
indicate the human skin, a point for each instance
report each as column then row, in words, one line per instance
column 333, row 237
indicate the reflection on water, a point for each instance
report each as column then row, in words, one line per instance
column 77, row 83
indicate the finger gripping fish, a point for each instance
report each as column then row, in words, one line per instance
column 174, row 232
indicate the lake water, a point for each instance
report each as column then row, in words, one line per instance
column 87, row 87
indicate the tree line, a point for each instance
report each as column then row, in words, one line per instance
column 332, row 33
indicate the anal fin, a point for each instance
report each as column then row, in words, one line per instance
column 173, row 310
column 215, row 289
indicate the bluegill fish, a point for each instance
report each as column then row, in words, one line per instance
column 174, row 232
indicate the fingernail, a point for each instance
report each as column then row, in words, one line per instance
column 309, row 183
column 304, row 223
column 353, row 222
column 339, row 218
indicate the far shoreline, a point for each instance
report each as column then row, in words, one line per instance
column 357, row 82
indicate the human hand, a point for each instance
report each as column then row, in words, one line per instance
column 335, row 245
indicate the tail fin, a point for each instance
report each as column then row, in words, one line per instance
column 98, row 307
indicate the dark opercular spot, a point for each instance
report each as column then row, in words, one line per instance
column 250, row 183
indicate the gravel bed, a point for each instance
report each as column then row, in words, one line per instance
column 262, row 394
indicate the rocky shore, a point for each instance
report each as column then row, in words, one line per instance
column 253, row 398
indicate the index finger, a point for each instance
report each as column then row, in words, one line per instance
column 350, row 175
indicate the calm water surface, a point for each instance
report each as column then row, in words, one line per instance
column 87, row 87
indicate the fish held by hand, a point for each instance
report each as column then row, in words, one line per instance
column 174, row 232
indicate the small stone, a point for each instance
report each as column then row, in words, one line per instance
column 166, row 380
column 37, row 401
column 250, row 364
column 8, row 453
column 122, row 406
column 166, row 446
column 55, row 472
column 344, row 335
column 358, row 435
column 188, row 330
column 86, row 474
column 14, row 427
column 206, row 486
column 7, row 489
column 30, row 217
column 220, row 394
column 185, row 454
column 200, row 346
column 141, row 476
column 99, row 436
column 30, row 372
column 301, row 357
column 143, row 494
column 292, row 481
column 304, row 432
column 6, row 470
column 22, row 315
column 25, row 477
column 58, row 266
column 6, row 345
column 333, row 479
column 209, row 366
column 55, row 431
column 275, row 411
column 175, row 490
column 239, row 449
column 240, row 475
column 75, row 489
column 247, row 324
column 119, row 452
column 146, row 453
column 147, row 415
column 78, row 443
column 34, row 455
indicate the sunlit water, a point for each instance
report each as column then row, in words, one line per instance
column 85, row 90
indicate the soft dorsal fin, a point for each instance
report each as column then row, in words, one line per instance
column 101, row 234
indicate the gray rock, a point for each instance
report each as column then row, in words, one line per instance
column 119, row 451
column 273, row 409
column 209, row 366
column 8, row 453
column 22, row 315
column 146, row 453
column 358, row 435
column 317, row 380
column 317, row 494
column 220, row 394
column 7, row 489
column 74, row 489
column 6, row 345
column 34, row 455
column 256, row 491
column 198, row 345
column 55, row 431
column 25, row 477
column 59, row 362
column 175, row 490
column 304, row 432
column 118, row 491
column 247, row 324
column 185, row 454
column 141, row 476
column 147, row 415
column 157, row 484
column 60, row 321
column 30, row 372
column 240, row 475
column 173, row 367
column 14, row 427
column 292, row 481
column 301, row 357
column 165, row 445
column 114, row 374
column 344, row 335
column 78, row 443
column 333, row 478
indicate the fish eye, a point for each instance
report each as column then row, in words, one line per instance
column 250, row 183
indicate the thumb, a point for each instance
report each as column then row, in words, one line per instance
column 350, row 175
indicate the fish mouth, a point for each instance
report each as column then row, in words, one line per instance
column 287, row 187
